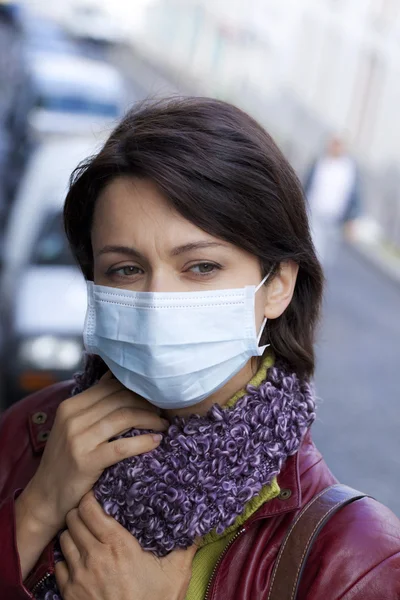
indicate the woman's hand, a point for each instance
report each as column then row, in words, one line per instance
column 104, row 561
column 77, row 452
column 78, row 449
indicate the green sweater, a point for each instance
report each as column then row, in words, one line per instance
column 213, row 545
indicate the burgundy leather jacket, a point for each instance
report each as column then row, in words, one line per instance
column 356, row 557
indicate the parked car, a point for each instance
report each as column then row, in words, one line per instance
column 43, row 294
column 56, row 88
column 74, row 95
column 71, row 91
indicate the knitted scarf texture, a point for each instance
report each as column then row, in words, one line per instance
column 206, row 468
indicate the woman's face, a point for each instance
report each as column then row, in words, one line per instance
column 142, row 244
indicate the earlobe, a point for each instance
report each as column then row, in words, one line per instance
column 279, row 292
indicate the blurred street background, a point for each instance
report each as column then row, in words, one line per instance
column 311, row 71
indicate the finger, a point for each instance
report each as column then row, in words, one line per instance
column 132, row 399
column 107, row 376
column 82, row 537
column 62, row 575
column 186, row 554
column 180, row 559
column 100, row 525
column 145, row 404
column 110, row 453
column 119, row 398
column 69, row 549
column 123, row 419
column 79, row 403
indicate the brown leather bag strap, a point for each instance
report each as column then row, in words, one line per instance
column 302, row 534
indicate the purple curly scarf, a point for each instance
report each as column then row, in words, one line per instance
column 207, row 468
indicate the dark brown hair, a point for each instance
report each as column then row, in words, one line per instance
column 223, row 172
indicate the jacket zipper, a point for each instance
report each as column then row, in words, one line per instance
column 39, row 583
column 238, row 534
column 30, row 594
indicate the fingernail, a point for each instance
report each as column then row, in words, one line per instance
column 157, row 437
column 166, row 423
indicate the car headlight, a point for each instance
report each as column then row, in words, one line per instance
column 51, row 352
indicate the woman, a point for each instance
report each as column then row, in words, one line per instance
column 333, row 189
column 191, row 229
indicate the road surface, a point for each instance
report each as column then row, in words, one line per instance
column 358, row 379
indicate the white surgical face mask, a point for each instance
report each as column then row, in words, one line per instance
column 174, row 349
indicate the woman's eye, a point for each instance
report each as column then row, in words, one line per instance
column 204, row 268
column 126, row 271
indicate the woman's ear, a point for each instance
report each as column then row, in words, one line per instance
column 279, row 292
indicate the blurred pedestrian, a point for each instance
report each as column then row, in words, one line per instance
column 204, row 292
column 333, row 190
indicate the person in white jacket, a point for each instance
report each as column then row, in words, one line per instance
column 332, row 187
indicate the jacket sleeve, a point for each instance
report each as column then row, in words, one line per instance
column 354, row 208
column 356, row 556
column 309, row 177
column 11, row 584
column 17, row 465
column 382, row 581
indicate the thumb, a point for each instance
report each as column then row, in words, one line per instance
column 181, row 558
column 107, row 376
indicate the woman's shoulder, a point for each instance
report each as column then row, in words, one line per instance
column 357, row 555
column 368, row 527
column 24, row 429
column 43, row 400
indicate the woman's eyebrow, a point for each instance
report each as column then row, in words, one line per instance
column 121, row 250
column 194, row 246
column 132, row 252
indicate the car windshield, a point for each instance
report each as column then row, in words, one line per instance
column 51, row 247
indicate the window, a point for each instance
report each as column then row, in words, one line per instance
column 51, row 247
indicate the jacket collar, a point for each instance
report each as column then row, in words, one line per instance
column 290, row 497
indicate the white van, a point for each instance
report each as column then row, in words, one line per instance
column 43, row 294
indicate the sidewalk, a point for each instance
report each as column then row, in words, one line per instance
column 381, row 256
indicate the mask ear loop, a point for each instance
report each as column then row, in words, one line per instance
column 265, row 279
column 261, row 332
column 265, row 319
